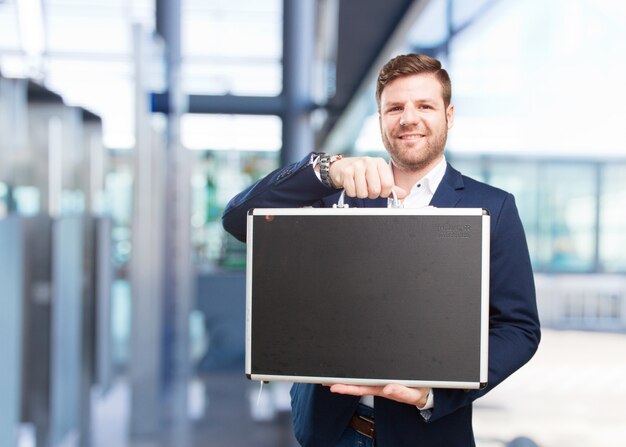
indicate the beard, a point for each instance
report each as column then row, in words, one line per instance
column 415, row 156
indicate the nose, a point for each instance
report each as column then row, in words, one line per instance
column 409, row 116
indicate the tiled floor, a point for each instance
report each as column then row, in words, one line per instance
column 571, row 394
column 228, row 421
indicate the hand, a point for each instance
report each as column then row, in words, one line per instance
column 364, row 177
column 393, row 391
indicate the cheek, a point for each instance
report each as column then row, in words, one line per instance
column 438, row 124
column 393, row 123
column 385, row 127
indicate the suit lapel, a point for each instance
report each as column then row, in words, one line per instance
column 450, row 189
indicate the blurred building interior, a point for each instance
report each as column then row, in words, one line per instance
column 126, row 126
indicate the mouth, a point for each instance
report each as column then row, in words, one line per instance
column 411, row 136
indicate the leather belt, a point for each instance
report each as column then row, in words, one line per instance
column 363, row 425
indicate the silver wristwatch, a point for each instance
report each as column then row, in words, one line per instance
column 324, row 163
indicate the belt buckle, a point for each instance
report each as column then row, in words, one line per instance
column 371, row 426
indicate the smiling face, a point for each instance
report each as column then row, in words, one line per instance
column 414, row 122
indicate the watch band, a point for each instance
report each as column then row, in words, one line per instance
column 324, row 163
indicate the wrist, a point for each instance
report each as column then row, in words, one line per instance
column 427, row 401
column 324, row 163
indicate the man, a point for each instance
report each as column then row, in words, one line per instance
column 413, row 94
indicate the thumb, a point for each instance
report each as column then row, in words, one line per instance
column 400, row 192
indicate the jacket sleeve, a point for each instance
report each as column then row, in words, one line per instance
column 514, row 331
column 292, row 186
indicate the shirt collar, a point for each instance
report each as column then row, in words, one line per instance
column 431, row 181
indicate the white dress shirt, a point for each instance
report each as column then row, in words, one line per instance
column 423, row 191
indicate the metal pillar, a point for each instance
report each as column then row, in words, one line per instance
column 11, row 346
column 162, row 284
column 145, row 361
column 298, row 59
column 177, row 267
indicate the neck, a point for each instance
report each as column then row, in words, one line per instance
column 407, row 178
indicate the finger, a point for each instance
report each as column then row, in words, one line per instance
column 400, row 192
column 346, row 389
column 349, row 186
column 360, row 180
column 403, row 394
column 385, row 175
column 372, row 177
column 356, row 390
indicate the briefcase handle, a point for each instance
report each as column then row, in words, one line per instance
column 395, row 203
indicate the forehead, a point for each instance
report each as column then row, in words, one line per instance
column 415, row 87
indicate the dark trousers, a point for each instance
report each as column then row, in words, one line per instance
column 352, row 438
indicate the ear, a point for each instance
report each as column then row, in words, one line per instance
column 450, row 115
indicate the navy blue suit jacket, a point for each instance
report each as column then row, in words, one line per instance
column 319, row 416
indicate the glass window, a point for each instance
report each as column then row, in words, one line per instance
column 517, row 74
column 233, row 151
column 119, row 198
column 473, row 167
column 217, row 177
column 9, row 31
column 4, row 200
column 369, row 139
column 88, row 57
column 521, row 178
column 613, row 219
column 104, row 88
column 226, row 132
column 70, row 32
column 464, row 11
column 27, row 200
column 232, row 47
column 566, row 217
column 431, row 28
column 221, row 76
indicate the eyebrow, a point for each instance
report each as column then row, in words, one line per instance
column 393, row 104
column 431, row 101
